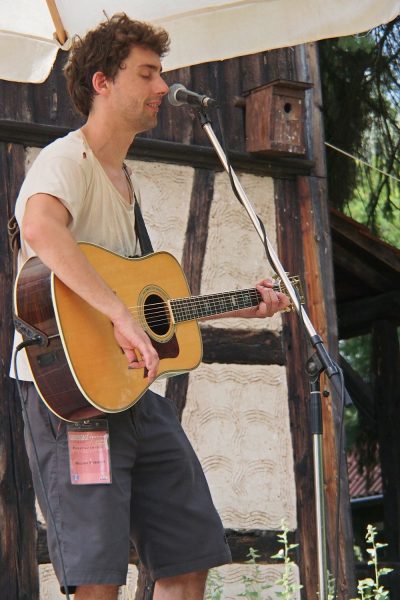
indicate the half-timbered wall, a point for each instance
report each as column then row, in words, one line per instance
column 245, row 408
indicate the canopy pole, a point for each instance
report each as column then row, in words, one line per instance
column 61, row 34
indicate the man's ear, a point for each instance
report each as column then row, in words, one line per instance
column 100, row 83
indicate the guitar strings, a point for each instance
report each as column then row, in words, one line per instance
column 158, row 312
column 199, row 301
column 202, row 299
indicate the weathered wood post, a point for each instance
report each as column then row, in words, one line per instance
column 18, row 573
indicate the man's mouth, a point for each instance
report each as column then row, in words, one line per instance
column 154, row 105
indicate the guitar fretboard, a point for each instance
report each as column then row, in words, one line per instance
column 195, row 307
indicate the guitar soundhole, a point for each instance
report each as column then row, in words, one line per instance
column 156, row 315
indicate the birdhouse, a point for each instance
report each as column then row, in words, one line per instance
column 275, row 118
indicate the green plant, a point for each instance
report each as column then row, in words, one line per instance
column 288, row 589
column 331, row 587
column 214, row 586
column 370, row 588
column 252, row 583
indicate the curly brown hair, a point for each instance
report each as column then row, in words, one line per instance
column 104, row 49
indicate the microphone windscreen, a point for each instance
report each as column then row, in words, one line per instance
column 172, row 94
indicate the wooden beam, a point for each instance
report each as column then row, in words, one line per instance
column 357, row 234
column 363, row 272
column 314, row 218
column 176, row 390
column 18, row 573
column 241, row 347
column 192, row 259
column 356, row 317
column 40, row 135
column 197, row 227
column 295, row 348
column 264, row 541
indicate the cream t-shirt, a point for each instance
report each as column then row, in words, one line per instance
column 68, row 170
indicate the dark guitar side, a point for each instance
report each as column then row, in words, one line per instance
column 49, row 365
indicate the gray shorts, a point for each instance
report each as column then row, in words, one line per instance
column 159, row 498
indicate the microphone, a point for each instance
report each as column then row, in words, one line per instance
column 179, row 95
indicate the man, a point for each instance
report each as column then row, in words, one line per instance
column 77, row 189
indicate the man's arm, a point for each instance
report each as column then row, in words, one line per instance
column 45, row 229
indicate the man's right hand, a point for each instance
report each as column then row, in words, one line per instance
column 136, row 345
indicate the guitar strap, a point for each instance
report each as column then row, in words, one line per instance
column 141, row 231
column 140, row 226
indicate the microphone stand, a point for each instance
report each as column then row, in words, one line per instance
column 319, row 362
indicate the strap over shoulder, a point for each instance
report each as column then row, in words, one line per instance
column 140, row 226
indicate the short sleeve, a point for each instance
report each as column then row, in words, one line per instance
column 58, row 176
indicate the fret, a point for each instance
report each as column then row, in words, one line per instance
column 192, row 310
column 195, row 307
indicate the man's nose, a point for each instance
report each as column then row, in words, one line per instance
column 163, row 87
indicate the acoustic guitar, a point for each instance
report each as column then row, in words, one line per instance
column 82, row 372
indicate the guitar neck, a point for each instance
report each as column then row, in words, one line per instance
column 196, row 307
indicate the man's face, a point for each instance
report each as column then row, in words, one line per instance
column 137, row 90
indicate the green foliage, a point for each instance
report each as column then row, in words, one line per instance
column 253, row 582
column 344, row 63
column 361, row 96
column 214, row 586
column 331, row 586
column 357, row 351
column 375, row 200
column 288, row 589
column 371, row 588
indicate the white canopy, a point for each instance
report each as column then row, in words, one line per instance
column 201, row 30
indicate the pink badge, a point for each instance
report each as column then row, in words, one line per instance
column 89, row 456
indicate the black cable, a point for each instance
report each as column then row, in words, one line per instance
column 339, row 469
column 32, row 342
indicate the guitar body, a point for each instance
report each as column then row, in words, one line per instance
column 83, row 372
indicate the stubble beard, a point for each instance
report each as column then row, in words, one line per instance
column 140, row 121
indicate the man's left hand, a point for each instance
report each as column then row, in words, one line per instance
column 271, row 303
